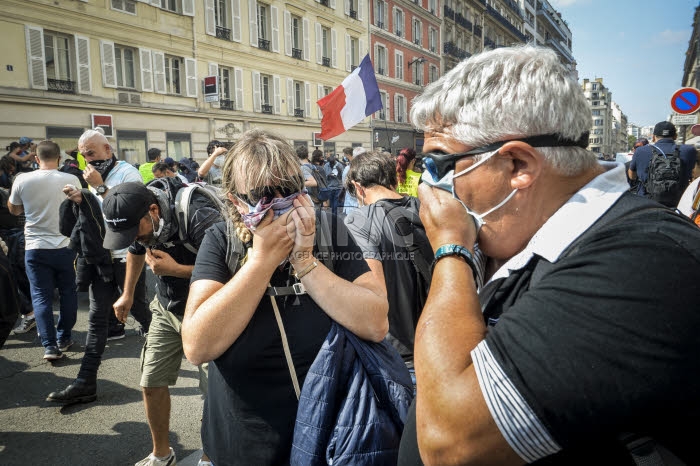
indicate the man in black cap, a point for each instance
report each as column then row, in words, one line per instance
column 663, row 142
column 141, row 216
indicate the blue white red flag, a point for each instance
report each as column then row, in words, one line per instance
column 356, row 98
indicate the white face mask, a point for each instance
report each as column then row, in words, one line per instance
column 161, row 223
column 478, row 218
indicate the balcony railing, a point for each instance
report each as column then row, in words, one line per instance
column 464, row 22
column 380, row 71
column 227, row 104
column 323, row 2
column 299, row 113
column 418, row 82
column 507, row 24
column 380, row 25
column 267, row 109
column 223, row 33
column 382, row 115
column 296, row 53
column 399, row 32
column 326, row 61
column 543, row 12
column 264, row 44
column 451, row 48
column 489, row 43
column 417, row 41
column 477, row 30
column 61, row 86
column 353, row 67
column 353, row 14
column 449, row 12
column 399, row 119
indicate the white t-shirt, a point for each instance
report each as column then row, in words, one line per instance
column 40, row 192
column 123, row 172
column 685, row 205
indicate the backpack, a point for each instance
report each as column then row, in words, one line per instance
column 664, row 176
column 71, row 166
column 180, row 197
column 320, row 192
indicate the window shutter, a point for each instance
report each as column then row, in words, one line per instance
column 146, row 70
column 290, row 96
column 307, row 42
column 319, row 46
column 253, row 20
column 361, row 50
column 158, row 71
column 361, row 10
column 188, row 7
column 191, row 71
column 377, row 65
column 287, row 33
column 82, row 52
column 307, row 97
column 348, row 55
column 397, row 64
column 109, row 68
column 236, row 20
column 333, row 4
column 396, row 105
column 275, row 29
column 257, row 102
column 388, row 107
column 405, row 110
column 393, row 17
column 334, row 48
column 386, row 17
column 347, row 7
column 209, row 17
column 319, row 94
column 238, row 85
column 277, row 95
column 376, row 12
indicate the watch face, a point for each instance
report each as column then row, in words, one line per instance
column 101, row 189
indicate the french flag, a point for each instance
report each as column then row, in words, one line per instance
column 356, row 98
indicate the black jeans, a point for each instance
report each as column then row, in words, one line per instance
column 102, row 297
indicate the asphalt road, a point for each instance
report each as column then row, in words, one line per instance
column 110, row 431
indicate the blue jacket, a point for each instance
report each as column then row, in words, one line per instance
column 353, row 404
column 642, row 158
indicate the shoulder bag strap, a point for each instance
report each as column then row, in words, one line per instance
column 285, row 344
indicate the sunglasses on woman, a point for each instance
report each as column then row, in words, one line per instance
column 268, row 193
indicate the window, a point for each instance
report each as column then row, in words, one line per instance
column 432, row 6
column 433, row 40
column 263, row 21
column 126, row 71
column 326, row 46
column 299, row 99
column 398, row 65
column 385, row 100
column 57, row 53
column 417, row 73
column 417, row 32
column 594, row 95
column 353, row 7
column 172, row 5
column 595, row 112
column 596, row 103
column 221, row 15
column 131, row 146
column 400, row 108
column 598, row 122
column 178, row 145
column 380, row 14
column 126, row 6
column 297, row 37
column 380, row 59
column 433, row 74
column 398, row 22
column 265, row 89
column 66, row 137
column 354, row 53
column 226, row 88
column 595, row 86
column 173, row 74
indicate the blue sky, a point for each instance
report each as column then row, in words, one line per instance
column 637, row 46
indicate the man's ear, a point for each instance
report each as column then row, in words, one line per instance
column 154, row 208
column 527, row 163
column 238, row 204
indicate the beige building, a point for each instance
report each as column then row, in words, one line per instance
column 600, row 98
column 618, row 133
column 545, row 26
column 139, row 67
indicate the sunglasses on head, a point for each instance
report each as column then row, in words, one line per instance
column 439, row 164
column 268, row 193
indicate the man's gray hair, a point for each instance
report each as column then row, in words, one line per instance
column 508, row 93
column 91, row 134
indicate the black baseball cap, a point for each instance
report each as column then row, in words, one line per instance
column 665, row 129
column 123, row 208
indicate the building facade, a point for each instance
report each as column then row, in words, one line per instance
column 619, row 129
column 600, row 99
column 138, row 68
column 691, row 71
column 545, row 26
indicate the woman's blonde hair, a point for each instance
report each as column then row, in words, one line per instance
column 259, row 158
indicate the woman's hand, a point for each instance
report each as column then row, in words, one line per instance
column 272, row 241
column 302, row 228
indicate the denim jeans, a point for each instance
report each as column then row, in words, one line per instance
column 335, row 197
column 102, row 297
column 48, row 269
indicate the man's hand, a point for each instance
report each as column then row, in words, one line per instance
column 161, row 263
column 92, row 176
column 122, row 307
column 73, row 193
column 272, row 242
column 218, row 151
column 444, row 218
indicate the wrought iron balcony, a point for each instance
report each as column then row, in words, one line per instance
column 61, row 86
column 451, row 48
column 477, row 30
column 418, row 82
column 507, row 24
column 380, row 71
column 399, row 32
column 353, row 14
column 489, row 43
column 299, row 113
column 323, row 2
column 382, row 115
column 264, row 44
column 227, row 104
column 417, row 41
column 449, row 12
column 296, row 53
column 326, row 61
column 380, row 25
column 352, row 67
column 223, row 33
column 267, row 109
column 399, row 119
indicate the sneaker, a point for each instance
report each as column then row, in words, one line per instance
column 151, row 460
column 77, row 392
column 26, row 324
column 51, row 353
column 116, row 333
column 64, row 345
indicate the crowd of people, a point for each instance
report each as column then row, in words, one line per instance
column 452, row 307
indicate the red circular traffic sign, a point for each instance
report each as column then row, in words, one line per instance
column 686, row 100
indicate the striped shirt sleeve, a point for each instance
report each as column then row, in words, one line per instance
column 519, row 425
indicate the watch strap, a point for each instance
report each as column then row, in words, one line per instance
column 447, row 250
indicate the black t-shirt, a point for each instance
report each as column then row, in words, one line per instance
column 251, row 406
column 172, row 291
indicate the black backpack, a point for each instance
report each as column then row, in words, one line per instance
column 664, row 177
column 321, row 192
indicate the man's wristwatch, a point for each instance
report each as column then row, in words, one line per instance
column 101, row 189
column 447, row 250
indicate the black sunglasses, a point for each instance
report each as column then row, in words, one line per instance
column 268, row 193
column 438, row 164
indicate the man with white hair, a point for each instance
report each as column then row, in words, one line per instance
column 102, row 173
column 548, row 362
